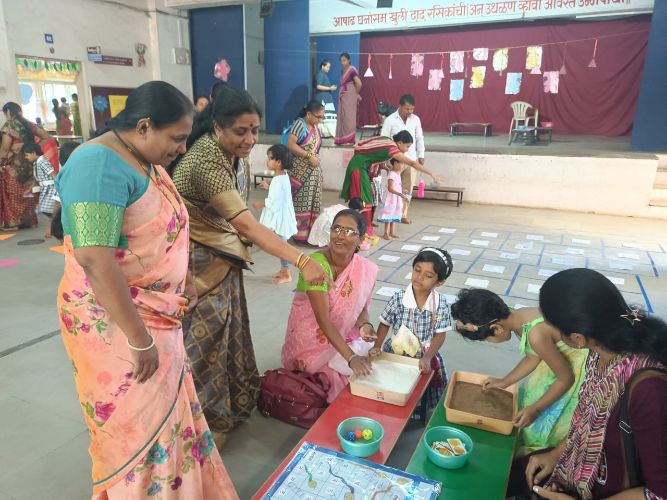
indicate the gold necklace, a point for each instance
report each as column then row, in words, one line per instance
column 157, row 181
column 133, row 151
column 334, row 268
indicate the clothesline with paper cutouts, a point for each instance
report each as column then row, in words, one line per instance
column 543, row 44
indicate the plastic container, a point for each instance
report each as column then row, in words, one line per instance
column 420, row 189
column 442, row 433
column 477, row 421
column 360, row 448
column 358, row 387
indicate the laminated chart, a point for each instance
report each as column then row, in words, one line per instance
column 319, row 473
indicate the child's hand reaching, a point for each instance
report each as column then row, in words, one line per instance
column 425, row 364
column 526, row 417
column 374, row 351
column 264, row 185
column 368, row 332
column 493, row 383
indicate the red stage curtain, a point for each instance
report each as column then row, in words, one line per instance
column 591, row 101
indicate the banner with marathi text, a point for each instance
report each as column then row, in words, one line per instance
column 327, row 16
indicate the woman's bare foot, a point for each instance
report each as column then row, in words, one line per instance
column 283, row 276
column 395, row 236
column 385, row 236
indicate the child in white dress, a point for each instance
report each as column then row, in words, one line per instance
column 278, row 209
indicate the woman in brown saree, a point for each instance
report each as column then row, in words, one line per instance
column 208, row 177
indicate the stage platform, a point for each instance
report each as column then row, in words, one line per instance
column 562, row 145
column 579, row 173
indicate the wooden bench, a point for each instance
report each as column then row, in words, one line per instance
column 323, row 433
column 454, row 129
column 262, row 176
column 437, row 190
column 371, row 130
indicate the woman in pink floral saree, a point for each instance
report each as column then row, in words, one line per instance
column 121, row 300
column 328, row 323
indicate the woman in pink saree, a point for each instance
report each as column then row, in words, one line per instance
column 348, row 99
column 123, row 294
column 328, row 324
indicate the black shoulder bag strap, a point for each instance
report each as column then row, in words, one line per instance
column 631, row 459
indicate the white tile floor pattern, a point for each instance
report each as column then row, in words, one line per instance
column 44, row 443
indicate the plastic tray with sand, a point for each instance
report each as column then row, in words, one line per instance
column 491, row 410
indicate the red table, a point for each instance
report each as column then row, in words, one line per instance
column 323, row 433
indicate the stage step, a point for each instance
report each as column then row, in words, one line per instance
column 659, row 192
column 659, row 212
column 660, row 178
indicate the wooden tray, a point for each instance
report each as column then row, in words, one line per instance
column 358, row 388
column 477, row 421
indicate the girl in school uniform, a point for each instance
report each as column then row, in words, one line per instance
column 418, row 318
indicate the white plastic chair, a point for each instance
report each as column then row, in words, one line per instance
column 521, row 116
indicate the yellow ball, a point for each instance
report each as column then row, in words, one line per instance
column 367, row 434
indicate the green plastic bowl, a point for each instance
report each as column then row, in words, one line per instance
column 361, row 447
column 442, row 433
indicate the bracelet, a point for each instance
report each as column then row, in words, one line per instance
column 365, row 323
column 350, row 360
column 302, row 261
column 142, row 348
column 298, row 260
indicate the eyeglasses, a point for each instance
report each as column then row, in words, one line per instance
column 347, row 231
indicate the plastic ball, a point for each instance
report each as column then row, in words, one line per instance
column 358, row 434
column 351, row 436
column 367, row 434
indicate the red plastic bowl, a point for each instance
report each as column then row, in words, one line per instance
column 547, row 124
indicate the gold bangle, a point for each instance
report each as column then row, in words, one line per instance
column 298, row 260
column 304, row 263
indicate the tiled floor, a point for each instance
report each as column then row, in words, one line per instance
column 43, row 453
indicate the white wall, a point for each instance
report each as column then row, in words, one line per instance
column 172, row 32
column 77, row 24
column 254, row 45
column 8, row 85
column 618, row 186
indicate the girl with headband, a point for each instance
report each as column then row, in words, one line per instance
column 419, row 317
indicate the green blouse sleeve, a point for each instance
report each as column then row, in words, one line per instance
column 304, row 286
column 96, row 188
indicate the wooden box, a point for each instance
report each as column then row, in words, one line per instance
column 477, row 421
column 387, row 395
